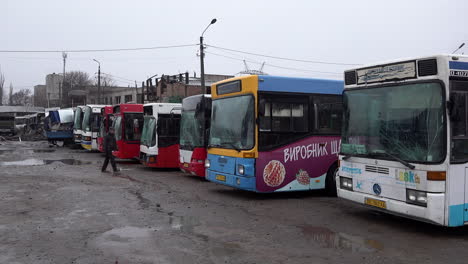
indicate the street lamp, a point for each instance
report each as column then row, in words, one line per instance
column 99, row 81
column 202, row 55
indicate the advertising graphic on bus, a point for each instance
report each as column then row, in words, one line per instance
column 106, row 123
column 128, row 125
column 90, row 126
column 405, row 138
column 194, row 125
column 273, row 134
column 160, row 138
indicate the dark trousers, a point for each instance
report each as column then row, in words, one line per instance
column 112, row 161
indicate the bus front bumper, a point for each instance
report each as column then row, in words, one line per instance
column 236, row 181
column 434, row 212
column 196, row 169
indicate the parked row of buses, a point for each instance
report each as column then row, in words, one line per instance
column 392, row 136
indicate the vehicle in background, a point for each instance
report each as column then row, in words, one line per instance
column 90, row 126
column 77, row 131
column 20, row 124
column 405, row 138
column 58, row 125
column 159, row 146
column 106, row 123
column 7, row 123
column 275, row 134
column 128, row 125
column 194, row 125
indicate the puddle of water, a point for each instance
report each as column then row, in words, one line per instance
column 27, row 162
column 30, row 151
column 69, row 162
column 37, row 162
column 43, row 150
column 330, row 239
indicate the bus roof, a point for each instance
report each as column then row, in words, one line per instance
column 299, row 85
column 367, row 65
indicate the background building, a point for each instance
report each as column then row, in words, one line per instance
column 167, row 88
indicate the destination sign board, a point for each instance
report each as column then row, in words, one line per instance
column 398, row 71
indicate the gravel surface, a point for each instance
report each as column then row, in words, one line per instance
column 57, row 207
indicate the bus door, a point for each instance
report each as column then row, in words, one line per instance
column 458, row 174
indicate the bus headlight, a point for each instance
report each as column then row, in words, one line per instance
column 207, row 163
column 346, row 183
column 240, row 169
column 416, row 197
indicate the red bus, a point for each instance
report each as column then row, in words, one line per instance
column 194, row 125
column 128, row 123
column 106, row 122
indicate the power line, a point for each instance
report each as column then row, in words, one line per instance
column 284, row 58
column 118, row 77
column 97, row 50
column 274, row 66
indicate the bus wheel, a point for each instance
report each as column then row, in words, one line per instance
column 330, row 181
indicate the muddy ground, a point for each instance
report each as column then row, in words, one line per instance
column 57, row 207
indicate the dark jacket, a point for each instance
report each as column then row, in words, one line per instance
column 109, row 144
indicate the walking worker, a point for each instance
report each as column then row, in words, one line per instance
column 109, row 146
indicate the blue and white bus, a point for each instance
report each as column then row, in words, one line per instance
column 405, row 138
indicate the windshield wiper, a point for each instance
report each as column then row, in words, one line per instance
column 345, row 157
column 407, row 164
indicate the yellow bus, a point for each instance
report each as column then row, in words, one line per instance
column 272, row 134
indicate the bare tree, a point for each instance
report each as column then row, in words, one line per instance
column 106, row 81
column 10, row 96
column 22, row 97
column 2, row 82
column 77, row 79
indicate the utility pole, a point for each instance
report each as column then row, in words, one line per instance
column 202, row 55
column 136, row 93
column 99, row 81
column 64, row 56
column 202, row 67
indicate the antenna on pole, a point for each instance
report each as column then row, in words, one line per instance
column 461, row 46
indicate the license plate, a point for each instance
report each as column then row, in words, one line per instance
column 220, row 177
column 185, row 165
column 375, row 203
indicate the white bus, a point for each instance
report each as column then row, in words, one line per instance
column 159, row 144
column 90, row 126
column 404, row 146
column 77, row 131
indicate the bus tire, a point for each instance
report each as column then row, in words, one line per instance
column 330, row 180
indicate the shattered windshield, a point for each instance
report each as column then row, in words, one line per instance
column 406, row 121
column 232, row 123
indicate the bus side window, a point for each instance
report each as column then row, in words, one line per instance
column 458, row 118
column 282, row 120
column 328, row 111
column 265, row 116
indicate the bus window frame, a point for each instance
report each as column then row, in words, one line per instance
column 254, row 119
column 465, row 137
column 311, row 131
column 445, row 114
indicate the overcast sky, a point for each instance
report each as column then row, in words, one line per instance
column 330, row 31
